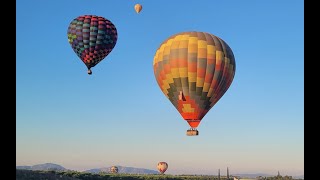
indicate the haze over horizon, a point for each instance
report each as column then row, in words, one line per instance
column 119, row 116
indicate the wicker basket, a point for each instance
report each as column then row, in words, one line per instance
column 192, row 132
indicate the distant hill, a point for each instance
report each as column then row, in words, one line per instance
column 22, row 174
column 24, row 167
column 56, row 167
column 43, row 167
column 123, row 169
column 253, row 175
column 298, row 177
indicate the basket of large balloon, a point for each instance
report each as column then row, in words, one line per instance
column 192, row 132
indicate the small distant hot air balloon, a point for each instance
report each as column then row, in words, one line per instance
column 194, row 70
column 162, row 167
column 92, row 38
column 138, row 8
column 114, row 169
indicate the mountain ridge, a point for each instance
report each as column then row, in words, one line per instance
column 123, row 169
column 44, row 166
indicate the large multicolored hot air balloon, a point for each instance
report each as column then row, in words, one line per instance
column 138, row 8
column 194, row 70
column 92, row 38
column 114, row 169
column 162, row 167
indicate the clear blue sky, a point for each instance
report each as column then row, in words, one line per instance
column 119, row 116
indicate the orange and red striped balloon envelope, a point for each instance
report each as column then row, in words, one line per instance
column 162, row 167
column 194, row 70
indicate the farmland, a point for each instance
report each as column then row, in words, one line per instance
column 75, row 175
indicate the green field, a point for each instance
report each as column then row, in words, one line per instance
column 75, row 175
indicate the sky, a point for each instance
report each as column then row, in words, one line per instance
column 119, row 116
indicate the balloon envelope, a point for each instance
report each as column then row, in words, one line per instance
column 162, row 167
column 194, row 70
column 138, row 8
column 92, row 38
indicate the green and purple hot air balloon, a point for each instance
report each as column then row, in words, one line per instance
column 92, row 38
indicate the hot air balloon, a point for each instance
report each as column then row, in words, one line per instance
column 92, row 38
column 194, row 70
column 114, row 169
column 162, row 167
column 138, row 8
